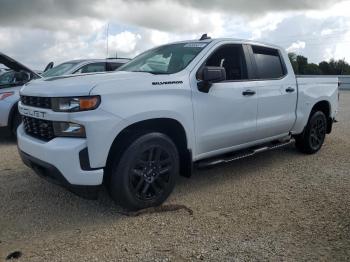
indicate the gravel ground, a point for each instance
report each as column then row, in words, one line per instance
column 279, row 205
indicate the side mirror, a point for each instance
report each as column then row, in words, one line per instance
column 49, row 66
column 210, row 75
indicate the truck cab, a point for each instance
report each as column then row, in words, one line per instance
column 184, row 104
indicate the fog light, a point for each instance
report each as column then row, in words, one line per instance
column 67, row 129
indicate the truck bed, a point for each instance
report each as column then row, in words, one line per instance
column 316, row 79
column 311, row 90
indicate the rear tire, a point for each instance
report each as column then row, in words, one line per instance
column 146, row 172
column 311, row 140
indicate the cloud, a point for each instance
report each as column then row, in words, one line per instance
column 123, row 43
column 39, row 31
column 163, row 15
column 257, row 7
column 296, row 46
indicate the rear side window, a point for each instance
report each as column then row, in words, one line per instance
column 268, row 63
column 113, row 66
column 92, row 68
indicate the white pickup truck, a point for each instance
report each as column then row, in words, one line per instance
column 185, row 104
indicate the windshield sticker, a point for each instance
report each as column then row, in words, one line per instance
column 195, row 45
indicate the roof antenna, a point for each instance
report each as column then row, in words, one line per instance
column 204, row 37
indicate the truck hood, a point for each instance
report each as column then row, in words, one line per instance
column 16, row 66
column 77, row 85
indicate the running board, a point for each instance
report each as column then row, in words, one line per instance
column 241, row 154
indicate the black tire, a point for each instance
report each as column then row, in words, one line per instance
column 146, row 172
column 16, row 121
column 311, row 140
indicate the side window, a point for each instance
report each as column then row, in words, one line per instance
column 268, row 63
column 231, row 57
column 113, row 66
column 8, row 78
column 90, row 68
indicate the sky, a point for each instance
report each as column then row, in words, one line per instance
column 36, row 32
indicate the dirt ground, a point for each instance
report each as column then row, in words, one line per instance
column 279, row 205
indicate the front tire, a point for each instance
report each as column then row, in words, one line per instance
column 146, row 172
column 311, row 140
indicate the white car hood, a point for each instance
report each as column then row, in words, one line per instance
column 75, row 85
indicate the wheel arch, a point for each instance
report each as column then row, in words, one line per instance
column 168, row 126
column 325, row 107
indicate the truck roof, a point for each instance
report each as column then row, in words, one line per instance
column 99, row 60
column 237, row 40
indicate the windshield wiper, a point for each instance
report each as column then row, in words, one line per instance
column 150, row 72
column 140, row 71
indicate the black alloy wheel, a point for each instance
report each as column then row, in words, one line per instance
column 311, row 140
column 150, row 173
column 145, row 173
column 317, row 133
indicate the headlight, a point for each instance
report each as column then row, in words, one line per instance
column 68, row 129
column 75, row 104
column 6, row 94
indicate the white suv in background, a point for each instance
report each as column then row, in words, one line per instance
column 84, row 66
column 10, row 83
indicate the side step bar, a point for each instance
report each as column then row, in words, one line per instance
column 227, row 158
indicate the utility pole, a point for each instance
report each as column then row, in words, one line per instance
column 107, row 34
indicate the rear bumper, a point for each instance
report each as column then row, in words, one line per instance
column 53, row 175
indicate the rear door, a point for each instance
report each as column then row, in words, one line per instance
column 276, row 90
column 225, row 117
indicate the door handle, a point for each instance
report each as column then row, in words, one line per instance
column 248, row 92
column 290, row 90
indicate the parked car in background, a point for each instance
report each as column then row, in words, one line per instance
column 3, row 70
column 12, row 81
column 188, row 103
column 84, row 66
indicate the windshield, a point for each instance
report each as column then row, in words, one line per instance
column 59, row 70
column 7, row 78
column 168, row 59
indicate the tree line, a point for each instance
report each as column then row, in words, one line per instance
column 301, row 66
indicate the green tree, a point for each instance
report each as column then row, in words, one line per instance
column 325, row 68
column 293, row 60
column 312, row 69
column 302, row 64
column 333, row 67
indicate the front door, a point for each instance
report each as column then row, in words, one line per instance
column 226, row 116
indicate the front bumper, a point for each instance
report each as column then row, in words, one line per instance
column 53, row 175
column 5, row 109
column 58, row 156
